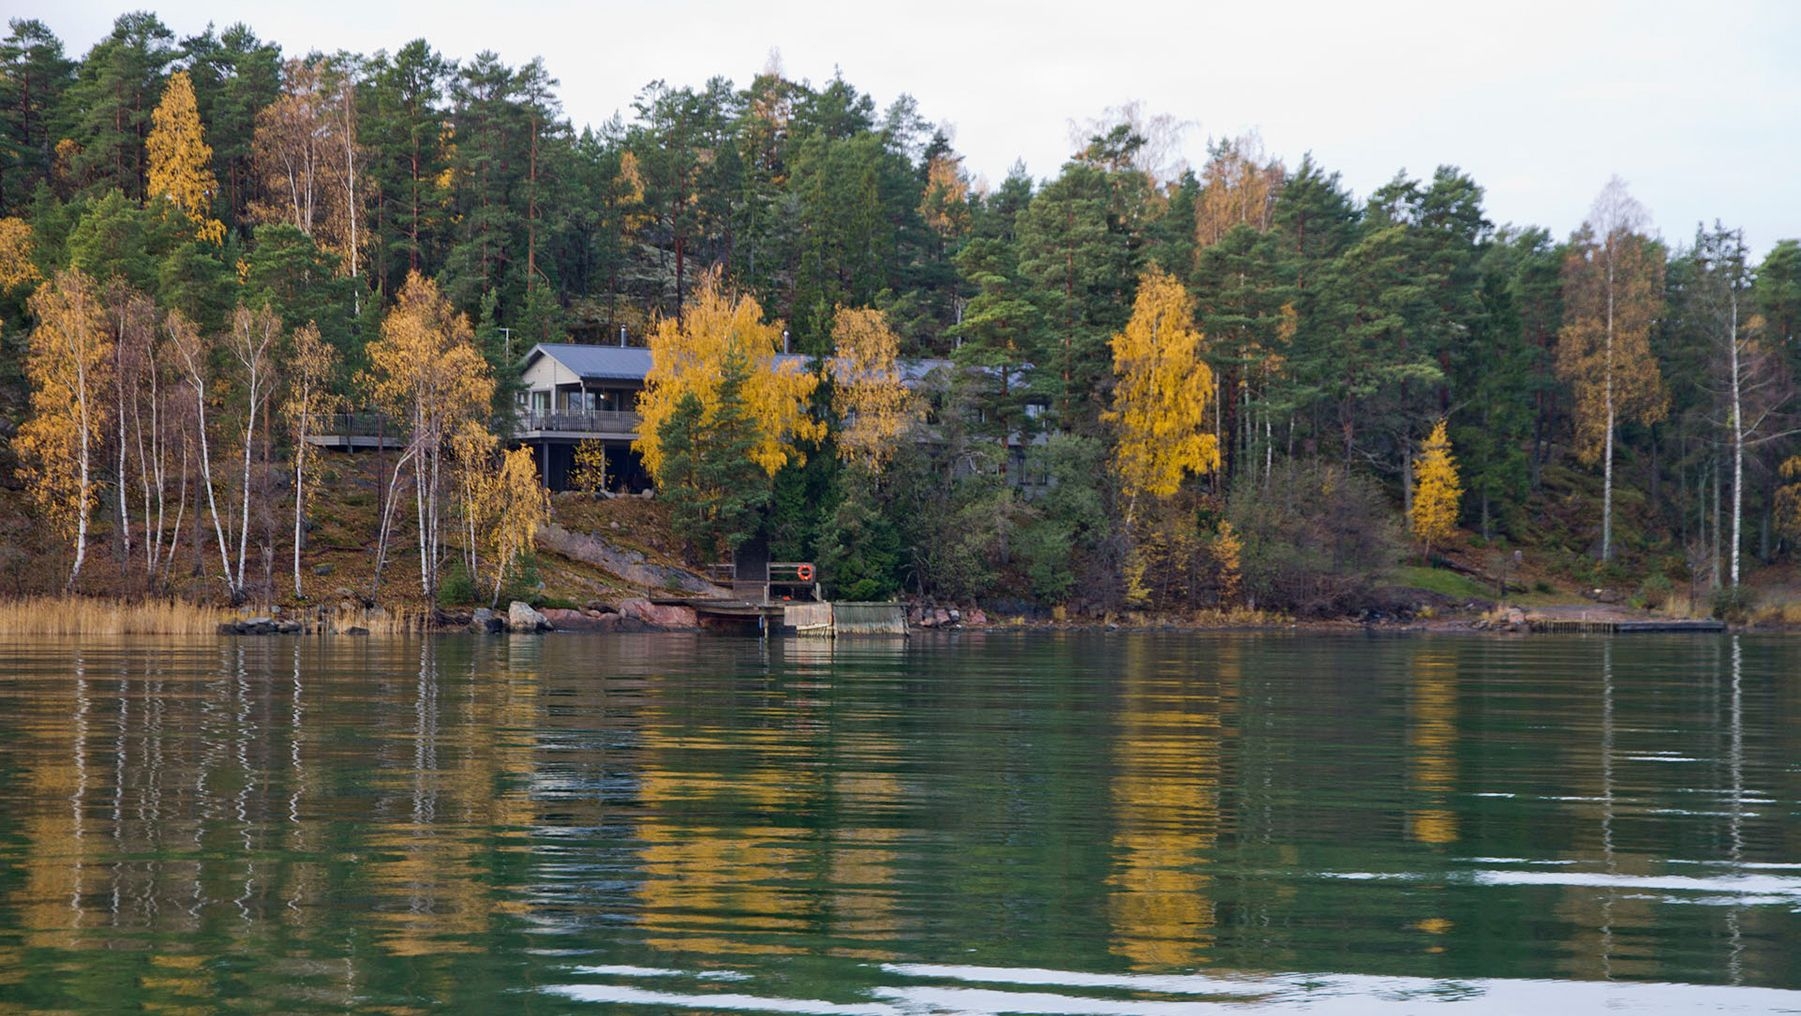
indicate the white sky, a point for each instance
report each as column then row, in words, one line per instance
column 1695, row 103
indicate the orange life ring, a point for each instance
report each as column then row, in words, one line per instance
column 804, row 572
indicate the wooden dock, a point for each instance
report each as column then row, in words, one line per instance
column 1621, row 626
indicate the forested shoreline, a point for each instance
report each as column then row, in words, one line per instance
column 1162, row 387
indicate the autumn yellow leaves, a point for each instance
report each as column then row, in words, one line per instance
column 171, row 405
column 1162, row 400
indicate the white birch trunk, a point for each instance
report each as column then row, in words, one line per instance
column 300, row 480
column 1738, row 444
column 1607, row 369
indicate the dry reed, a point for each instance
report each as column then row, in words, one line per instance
column 77, row 615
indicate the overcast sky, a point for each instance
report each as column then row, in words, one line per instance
column 1696, row 104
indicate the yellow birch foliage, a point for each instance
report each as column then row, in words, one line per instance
column 1437, row 490
column 67, row 363
column 945, row 203
column 1613, row 292
column 1228, row 553
column 425, row 368
column 519, row 505
column 688, row 356
column 868, row 392
column 1788, row 498
column 310, row 368
column 1164, row 391
column 16, row 245
column 590, row 473
column 1239, row 185
column 181, row 162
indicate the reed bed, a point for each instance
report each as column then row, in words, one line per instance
column 383, row 621
column 79, row 615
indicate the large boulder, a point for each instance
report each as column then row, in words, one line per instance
column 521, row 618
column 487, row 622
column 659, row 615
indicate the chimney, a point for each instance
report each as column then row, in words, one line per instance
column 784, row 340
column 621, row 336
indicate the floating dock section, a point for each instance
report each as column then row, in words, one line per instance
column 844, row 618
column 808, row 618
column 869, row 618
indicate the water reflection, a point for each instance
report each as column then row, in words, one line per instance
column 711, row 823
column 1165, row 791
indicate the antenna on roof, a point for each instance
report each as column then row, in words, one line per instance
column 506, row 337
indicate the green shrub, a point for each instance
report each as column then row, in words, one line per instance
column 522, row 580
column 1654, row 592
column 456, row 588
column 1316, row 537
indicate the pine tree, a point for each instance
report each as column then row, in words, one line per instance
column 34, row 74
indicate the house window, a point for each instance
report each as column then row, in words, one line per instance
column 541, row 403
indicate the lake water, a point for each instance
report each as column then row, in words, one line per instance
column 1147, row 825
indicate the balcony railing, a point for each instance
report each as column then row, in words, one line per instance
column 590, row 421
column 361, row 429
column 350, row 425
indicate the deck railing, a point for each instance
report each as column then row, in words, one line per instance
column 588, row 421
column 324, row 426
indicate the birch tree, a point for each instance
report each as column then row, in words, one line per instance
column 194, row 355
column 1749, row 380
column 1613, row 293
column 426, row 373
column 688, row 357
column 252, row 344
column 518, row 506
column 1162, row 398
column 869, row 396
column 1439, row 490
column 310, row 371
column 1162, row 395
column 132, row 318
column 306, row 154
column 67, row 361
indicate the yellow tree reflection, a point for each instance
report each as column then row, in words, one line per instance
column 1166, row 814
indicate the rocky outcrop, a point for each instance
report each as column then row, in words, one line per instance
column 583, row 620
column 629, row 565
column 659, row 615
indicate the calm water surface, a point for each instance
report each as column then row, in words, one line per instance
column 1127, row 824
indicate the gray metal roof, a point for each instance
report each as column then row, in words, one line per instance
column 632, row 363
column 596, row 363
